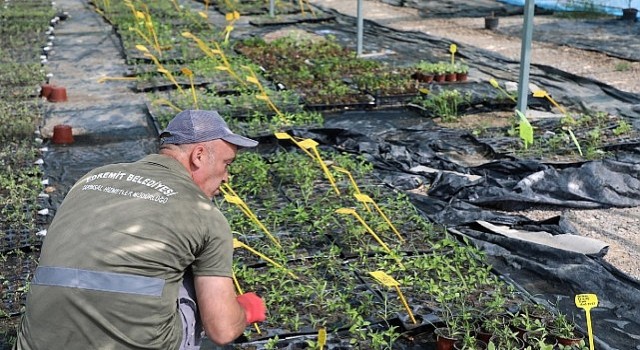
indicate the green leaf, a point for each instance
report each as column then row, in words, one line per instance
column 526, row 130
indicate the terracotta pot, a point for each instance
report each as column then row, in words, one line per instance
column 443, row 341
column 451, row 77
column 463, row 76
column 439, row 78
column 58, row 94
column 575, row 340
column 62, row 134
column 45, row 90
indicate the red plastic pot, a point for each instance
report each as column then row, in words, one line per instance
column 62, row 134
column 58, row 94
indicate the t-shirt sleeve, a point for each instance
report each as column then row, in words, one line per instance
column 216, row 256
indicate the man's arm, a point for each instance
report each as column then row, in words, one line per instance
column 223, row 318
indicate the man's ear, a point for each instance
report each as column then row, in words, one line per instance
column 198, row 153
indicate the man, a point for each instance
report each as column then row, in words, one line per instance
column 116, row 265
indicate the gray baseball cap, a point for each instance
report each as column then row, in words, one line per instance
column 193, row 126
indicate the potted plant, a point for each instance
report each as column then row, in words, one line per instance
column 505, row 338
column 565, row 330
column 523, row 322
column 450, row 72
column 629, row 13
column 439, row 70
column 463, row 71
column 424, row 72
column 469, row 342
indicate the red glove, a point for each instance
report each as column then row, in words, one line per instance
column 253, row 307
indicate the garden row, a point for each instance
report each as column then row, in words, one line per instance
column 24, row 36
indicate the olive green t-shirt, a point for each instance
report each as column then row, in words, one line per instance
column 146, row 218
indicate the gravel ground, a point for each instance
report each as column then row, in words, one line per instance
column 616, row 227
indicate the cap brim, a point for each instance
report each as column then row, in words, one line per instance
column 240, row 141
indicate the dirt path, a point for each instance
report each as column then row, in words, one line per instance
column 616, row 227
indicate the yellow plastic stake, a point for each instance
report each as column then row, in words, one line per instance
column 353, row 183
column 366, row 199
column 542, row 93
column 285, row 136
column 389, row 281
column 239, row 289
column 231, row 197
column 103, row 79
column 189, row 73
column 322, row 337
column 238, row 244
column 587, row 302
column 453, row 49
column 309, row 143
column 495, row 84
column 349, row 211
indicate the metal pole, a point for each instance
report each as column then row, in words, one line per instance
column 272, row 5
column 360, row 25
column 525, row 56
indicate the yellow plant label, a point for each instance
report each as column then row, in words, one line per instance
column 586, row 301
column 453, row 48
column 308, row 143
column 282, row 135
column 345, row 211
column 539, row 93
column 232, row 199
column 363, row 198
column 384, row 279
column 237, row 243
column 322, row 337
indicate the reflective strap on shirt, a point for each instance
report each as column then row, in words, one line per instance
column 97, row 280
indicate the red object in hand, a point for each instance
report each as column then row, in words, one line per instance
column 253, row 307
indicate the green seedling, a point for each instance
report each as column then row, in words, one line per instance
column 238, row 244
column 231, row 197
column 311, row 144
column 587, row 302
column 390, row 282
column 363, row 198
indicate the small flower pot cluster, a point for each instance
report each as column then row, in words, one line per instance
column 440, row 72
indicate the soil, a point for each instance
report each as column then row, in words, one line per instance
column 617, row 226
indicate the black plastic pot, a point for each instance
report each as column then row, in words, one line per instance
column 491, row 23
column 630, row 14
